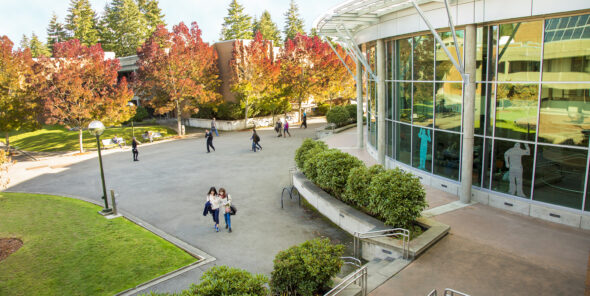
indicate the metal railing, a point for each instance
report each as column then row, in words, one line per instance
column 402, row 233
column 358, row 277
column 447, row 292
column 291, row 190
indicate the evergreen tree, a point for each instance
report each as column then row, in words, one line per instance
column 56, row 32
column 237, row 24
column 293, row 22
column 37, row 47
column 152, row 13
column 123, row 27
column 267, row 28
column 82, row 23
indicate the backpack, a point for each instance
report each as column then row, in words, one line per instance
column 256, row 138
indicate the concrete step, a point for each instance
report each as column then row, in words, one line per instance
column 380, row 270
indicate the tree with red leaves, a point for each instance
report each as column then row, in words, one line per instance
column 255, row 72
column 82, row 86
column 20, row 106
column 336, row 81
column 177, row 71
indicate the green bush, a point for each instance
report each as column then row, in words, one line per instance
column 229, row 111
column 224, row 280
column 321, row 109
column 333, row 167
column 338, row 116
column 396, row 197
column 351, row 109
column 302, row 153
column 311, row 161
column 357, row 186
column 140, row 114
column 306, row 269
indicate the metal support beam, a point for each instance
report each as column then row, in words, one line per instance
column 339, row 57
column 356, row 51
column 454, row 35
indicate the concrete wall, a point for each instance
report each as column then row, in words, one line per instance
column 233, row 125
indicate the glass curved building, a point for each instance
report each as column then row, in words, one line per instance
column 489, row 100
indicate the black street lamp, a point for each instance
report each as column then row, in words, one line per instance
column 96, row 128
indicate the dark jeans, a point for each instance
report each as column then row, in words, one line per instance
column 210, row 143
column 135, row 153
column 215, row 214
column 227, row 219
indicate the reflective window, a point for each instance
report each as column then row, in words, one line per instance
column 491, row 110
column 512, row 168
column 389, row 100
column 389, row 136
column 424, row 57
column 403, row 102
column 564, row 117
column 403, row 143
column 389, row 60
column 422, row 113
column 566, row 55
column 422, row 149
column 486, row 53
column 559, row 176
column 479, row 118
column 372, row 56
column 519, row 47
column 488, row 162
column 516, row 111
column 477, row 161
column 447, row 153
column 403, row 59
column 445, row 70
column 449, row 98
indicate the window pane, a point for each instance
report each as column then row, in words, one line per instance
column 389, row 100
column 445, row 70
column 491, row 110
column 372, row 56
column 447, row 153
column 449, row 99
column 477, row 161
column 372, row 130
column 488, row 162
column 403, row 143
column 479, row 117
column 520, row 51
column 403, row 59
column 516, row 111
column 422, row 152
column 565, row 114
column 422, row 113
column 389, row 138
column 486, row 53
column 513, row 163
column 389, row 60
column 424, row 57
column 559, row 177
column 403, row 101
column 567, row 58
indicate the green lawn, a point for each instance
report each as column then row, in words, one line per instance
column 69, row 249
column 57, row 138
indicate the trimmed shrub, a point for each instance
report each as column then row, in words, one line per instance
column 302, row 153
column 310, row 163
column 338, row 116
column 357, row 186
column 351, row 109
column 224, row 280
column 333, row 167
column 306, row 269
column 396, row 197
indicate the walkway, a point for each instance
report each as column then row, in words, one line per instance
column 167, row 188
column 490, row 251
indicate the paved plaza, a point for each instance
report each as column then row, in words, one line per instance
column 487, row 252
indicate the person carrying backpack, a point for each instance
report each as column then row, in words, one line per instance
column 255, row 141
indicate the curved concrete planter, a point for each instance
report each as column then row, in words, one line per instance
column 352, row 220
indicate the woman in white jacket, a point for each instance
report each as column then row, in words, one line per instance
column 225, row 200
column 215, row 202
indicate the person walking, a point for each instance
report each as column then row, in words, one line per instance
column 304, row 120
column 214, row 126
column 255, row 139
column 286, row 129
column 225, row 204
column 134, row 144
column 209, row 137
column 215, row 201
column 278, row 128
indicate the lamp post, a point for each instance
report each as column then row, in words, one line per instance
column 130, row 104
column 96, row 128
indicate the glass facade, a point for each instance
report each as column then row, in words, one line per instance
column 532, row 108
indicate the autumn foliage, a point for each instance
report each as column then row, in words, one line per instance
column 177, row 70
column 82, row 86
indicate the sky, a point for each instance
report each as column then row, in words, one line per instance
column 18, row 17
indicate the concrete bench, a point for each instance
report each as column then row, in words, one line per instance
column 108, row 143
column 154, row 136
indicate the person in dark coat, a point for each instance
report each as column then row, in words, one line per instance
column 255, row 139
column 209, row 137
column 134, row 144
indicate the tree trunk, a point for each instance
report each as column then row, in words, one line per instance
column 178, row 118
column 80, row 140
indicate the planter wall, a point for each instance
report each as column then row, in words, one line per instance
column 233, row 125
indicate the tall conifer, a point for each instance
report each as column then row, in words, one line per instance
column 123, row 27
column 82, row 23
column 267, row 28
column 152, row 13
column 56, row 32
column 237, row 24
column 293, row 22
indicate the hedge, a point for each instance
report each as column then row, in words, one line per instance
column 338, row 116
column 302, row 153
column 351, row 109
column 393, row 196
column 306, row 269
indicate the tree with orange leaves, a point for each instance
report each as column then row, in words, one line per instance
column 81, row 86
column 255, row 72
column 177, row 71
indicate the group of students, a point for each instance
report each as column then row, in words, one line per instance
column 217, row 202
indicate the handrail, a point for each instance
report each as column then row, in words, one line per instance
column 394, row 232
column 353, row 261
column 359, row 277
